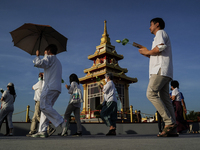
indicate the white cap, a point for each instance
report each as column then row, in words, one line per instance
column 10, row 84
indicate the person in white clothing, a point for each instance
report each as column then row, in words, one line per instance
column 73, row 106
column 36, row 116
column 7, row 100
column 161, row 73
column 51, row 90
column 109, row 109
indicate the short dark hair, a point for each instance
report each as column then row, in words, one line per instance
column 160, row 21
column 175, row 84
column 110, row 75
column 53, row 48
column 41, row 75
column 73, row 77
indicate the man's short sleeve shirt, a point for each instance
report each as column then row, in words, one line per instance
column 163, row 60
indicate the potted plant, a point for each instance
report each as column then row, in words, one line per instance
column 192, row 116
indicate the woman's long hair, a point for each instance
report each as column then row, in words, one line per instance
column 73, row 77
column 12, row 90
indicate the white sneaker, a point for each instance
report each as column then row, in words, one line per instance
column 10, row 134
column 64, row 128
column 40, row 135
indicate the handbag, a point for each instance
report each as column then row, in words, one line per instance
column 77, row 96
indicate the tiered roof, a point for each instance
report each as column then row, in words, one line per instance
column 105, row 59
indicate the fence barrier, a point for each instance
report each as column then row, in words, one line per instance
column 123, row 116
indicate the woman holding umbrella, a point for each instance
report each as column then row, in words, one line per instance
column 7, row 100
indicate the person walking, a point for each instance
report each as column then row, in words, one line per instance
column 109, row 109
column 7, row 127
column 160, row 74
column 74, row 105
column 36, row 116
column 51, row 90
column 176, row 97
column 161, row 124
column 184, row 106
column 139, row 117
column 7, row 100
column 5, row 118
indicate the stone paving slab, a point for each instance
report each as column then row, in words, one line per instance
column 101, row 142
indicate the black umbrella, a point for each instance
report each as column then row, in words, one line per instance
column 32, row 37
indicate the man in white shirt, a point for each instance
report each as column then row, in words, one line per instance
column 51, row 90
column 36, row 116
column 160, row 73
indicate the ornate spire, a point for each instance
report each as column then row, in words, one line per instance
column 105, row 37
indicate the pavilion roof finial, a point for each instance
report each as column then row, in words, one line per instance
column 105, row 36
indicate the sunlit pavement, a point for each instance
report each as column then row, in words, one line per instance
column 96, row 142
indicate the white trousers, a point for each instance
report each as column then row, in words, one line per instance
column 8, row 111
column 47, row 100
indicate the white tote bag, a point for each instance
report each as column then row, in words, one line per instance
column 77, row 96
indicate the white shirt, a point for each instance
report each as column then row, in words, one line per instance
column 71, row 90
column 109, row 92
column 52, row 71
column 176, row 93
column 8, row 99
column 38, row 90
column 164, row 59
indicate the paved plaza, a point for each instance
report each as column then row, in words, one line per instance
column 101, row 142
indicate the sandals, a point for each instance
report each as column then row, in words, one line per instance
column 167, row 131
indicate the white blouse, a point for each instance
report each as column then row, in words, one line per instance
column 176, row 93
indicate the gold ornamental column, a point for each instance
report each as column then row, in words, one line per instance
column 85, row 97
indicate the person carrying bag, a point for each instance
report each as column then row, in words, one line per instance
column 74, row 105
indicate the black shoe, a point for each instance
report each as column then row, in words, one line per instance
column 65, row 134
column 111, row 133
column 60, row 134
column 78, row 134
column 51, row 131
column 30, row 134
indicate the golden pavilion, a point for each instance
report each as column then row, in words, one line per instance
column 105, row 59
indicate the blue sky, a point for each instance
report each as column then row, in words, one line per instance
column 82, row 22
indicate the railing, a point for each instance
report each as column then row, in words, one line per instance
column 123, row 116
column 27, row 111
column 128, row 116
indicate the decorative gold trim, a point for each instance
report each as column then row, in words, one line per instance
column 105, row 65
column 84, row 86
column 126, row 86
column 105, row 52
column 122, row 76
